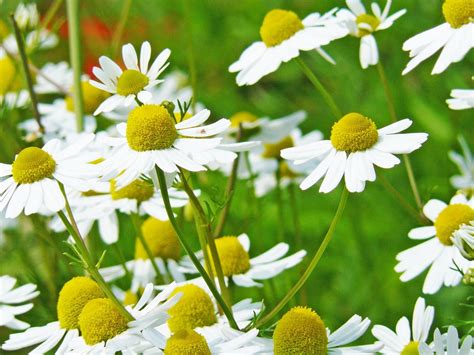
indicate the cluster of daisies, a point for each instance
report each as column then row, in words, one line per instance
column 139, row 170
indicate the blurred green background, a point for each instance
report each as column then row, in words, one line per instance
column 356, row 274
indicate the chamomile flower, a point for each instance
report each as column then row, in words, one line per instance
column 26, row 16
column 164, row 245
column 465, row 164
column 12, row 93
column 404, row 341
column 355, row 146
column 438, row 250
column 54, row 78
column 463, row 239
column 461, row 99
column 32, row 181
column 245, row 271
column 302, row 331
column 448, row 344
column 72, row 298
column 362, row 25
column 132, row 83
column 12, row 302
column 454, row 37
column 105, row 330
column 283, row 36
column 151, row 137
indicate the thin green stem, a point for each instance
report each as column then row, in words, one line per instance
column 52, row 10
column 89, row 266
column 281, row 214
column 118, row 33
column 312, row 265
column 327, row 97
column 137, row 223
column 203, row 225
column 190, row 52
column 26, row 69
column 164, row 192
column 393, row 115
column 295, row 214
column 76, row 62
column 123, row 262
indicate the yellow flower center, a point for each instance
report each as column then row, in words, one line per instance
column 187, row 342
column 32, row 164
column 242, row 117
column 458, row 12
column 137, row 190
column 411, row 349
column 73, row 297
column 11, row 78
column 194, row 309
column 100, row 320
column 161, row 239
column 130, row 299
column 367, row 19
column 232, row 255
column 273, row 150
column 131, row 82
column 279, row 25
column 450, row 219
column 150, row 127
column 92, row 96
column 300, row 331
column 353, row 133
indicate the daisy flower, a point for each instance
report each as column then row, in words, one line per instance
column 302, row 331
column 454, row 37
column 362, row 25
column 448, row 344
column 465, row 164
column 151, row 137
column 243, row 270
column 463, row 239
column 32, row 180
column 132, row 83
column 164, row 245
column 404, row 340
column 11, row 302
column 54, row 78
column 283, row 36
column 355, row 146
column 438, row 250
column 461, row 99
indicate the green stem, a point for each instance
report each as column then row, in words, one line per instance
column 123, row 262
column 89, row 266
column 393, row 115
column 75, row 57
column 281, row 215
column 137, row 224
column 203, row 225
column 164, row 192
column 190, row 52
column 118, row 33
column 313, row 263
column 29, row 79
column 295, row 214
column 327, row 97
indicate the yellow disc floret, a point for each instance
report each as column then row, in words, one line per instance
column 32, row 164
column 73, row 297
column 11, row 79
column 100, row 320
column 458, row 12
column 232, row 255
column 130, row 299
column 279, row 25
column 300, row 331
column 273, row 150
column 353, row 133
column 161, row 238
column 150, row 127
column 139, row 190
column 450, row 219
column 92, row 96
column 411, row 348
column 194, row 309
column 242, row 117
column 187, row 342
column 131, row 82
column 367, row 20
